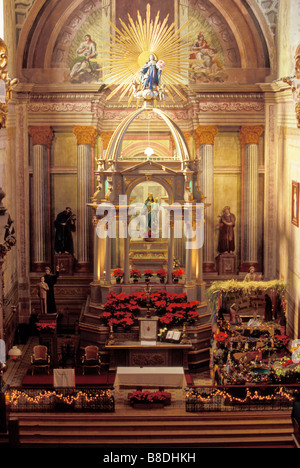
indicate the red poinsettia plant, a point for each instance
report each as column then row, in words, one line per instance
column 148, row 273
column 178, row 273
column 161, row 273
column 149, row 397
column 118, row 273
column 135, row 273
column 221, row 337
column 121, row 309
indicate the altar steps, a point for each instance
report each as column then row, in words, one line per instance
column 152, row 429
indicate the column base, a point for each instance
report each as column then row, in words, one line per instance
column 226, row 264
column 209, row 267
column 83, row 268
column 39, row 267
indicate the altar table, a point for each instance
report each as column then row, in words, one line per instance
column 159, row 354
column 151, row 377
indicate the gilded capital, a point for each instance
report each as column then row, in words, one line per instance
column 105, row 138
column 41, row 135
column 85, row 134
column 249, row 135
column 205, row 135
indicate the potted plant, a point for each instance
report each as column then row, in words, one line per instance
column 148, row 274
column 177, row 274
column 162, row 274
column 135, row 274
column 118, row 274
column 145, row 399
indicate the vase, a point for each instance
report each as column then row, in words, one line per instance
column 135, row 280
column 162, row 280
column 147, row 280
column 175, row 280
column 118, row 280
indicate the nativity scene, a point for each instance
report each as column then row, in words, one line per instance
column 150, row 252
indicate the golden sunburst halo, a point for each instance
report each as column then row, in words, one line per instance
column 131, row 46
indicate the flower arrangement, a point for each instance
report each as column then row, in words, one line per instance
column 46, row 326
column 135, row 273
column 221, row 337
column 177, row 274
column 148, row 274
column 120, row 310
column 118, row 274
column 281, row 341
column 162, row 274
column 150, row 397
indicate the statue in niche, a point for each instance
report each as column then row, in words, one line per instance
column 226, row 226
column 65, row 225
column 151, row 212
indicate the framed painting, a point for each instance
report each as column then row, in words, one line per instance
column 295, row 203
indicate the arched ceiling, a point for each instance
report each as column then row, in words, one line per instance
column 236, row 31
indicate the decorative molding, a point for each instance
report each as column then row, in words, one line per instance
column 249, row 135
column 86, row 135
column 61, row 107
column 205, row 135
column 229, row 106
column 41, row 135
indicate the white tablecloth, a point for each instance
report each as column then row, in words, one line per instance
column 150, row 376
column 64, row 378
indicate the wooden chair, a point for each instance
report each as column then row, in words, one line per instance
column 40, row 358
column 91, row 358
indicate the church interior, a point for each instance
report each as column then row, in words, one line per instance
column 149, row 223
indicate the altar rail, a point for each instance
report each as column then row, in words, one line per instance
column 242, row 398
column 33, row 399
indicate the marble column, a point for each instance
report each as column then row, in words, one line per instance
column 170, row 249
column 41, row 140
column 86, row 136
column 204, row 139
column 249, row 136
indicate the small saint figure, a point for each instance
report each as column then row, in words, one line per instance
column 147, row 211
column 50, row 280
column 65, row 225
column 226, row 226
column 42, row 293
column 252, row 276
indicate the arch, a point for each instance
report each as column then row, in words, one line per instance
column 47, row 33
column 115, row 145
column 156, row 179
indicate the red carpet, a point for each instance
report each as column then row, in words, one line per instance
column 105, row 379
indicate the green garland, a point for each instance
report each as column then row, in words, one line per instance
column 244, row 287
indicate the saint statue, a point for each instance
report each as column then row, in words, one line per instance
column 43, row 288
column 65, row 225
column 50, row 280
column 147, row 211
column 150, row 74
column 226, row 225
